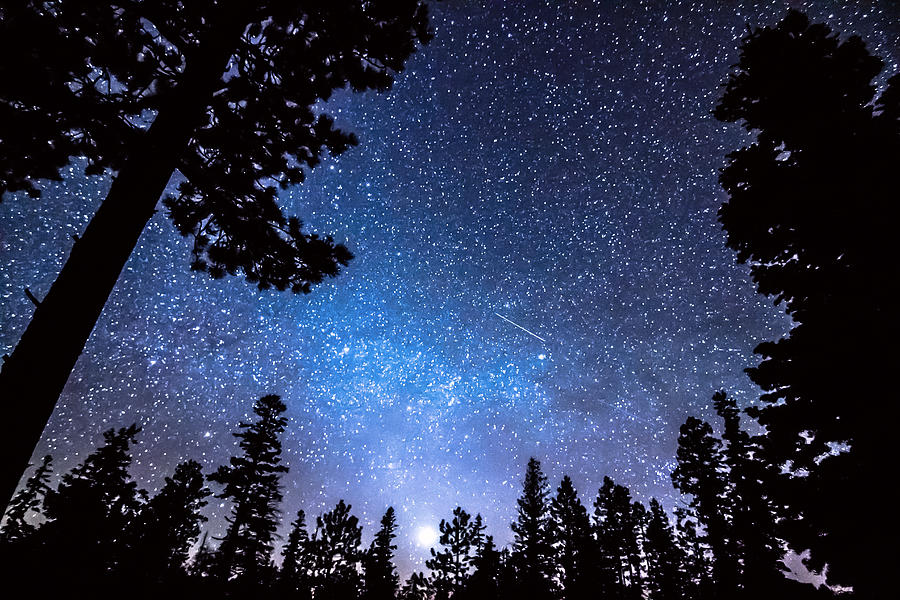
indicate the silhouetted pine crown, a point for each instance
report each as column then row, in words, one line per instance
column 238, row 84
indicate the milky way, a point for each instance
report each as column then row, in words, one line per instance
column 551, row 163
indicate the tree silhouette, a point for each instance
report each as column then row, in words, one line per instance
column 203, row 564
column 88, row 516
column 806, row 209
column 296, row 561
column 532, row 552
column 616, row 528
column 168, row 525
column 700, row 474
column 752, row 516
column 251, row 482
column 220, row 92
column 665, row 564
column 381, row 579
column 573, row 543
column 460, row 538
column 695, row 566
column 485, row 582
column 336, row 555
column 415, row 588
column 30, row 499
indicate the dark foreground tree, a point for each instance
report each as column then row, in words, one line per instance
column 700, row 473
column 88, row 517
column 751, row 526
column 415, row 588
column 573, row 543
column 293, row 579
column 486, row 581
column 665, row 565
column 532, row 549
column 381, row 579
column 616, row 525
column 252, row 482
column 221, row 92
column 29, row 500
column 807, row 209
column 167, row 526
column 336, row 555
column 451, row 565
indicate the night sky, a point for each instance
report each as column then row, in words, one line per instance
column 548, row 167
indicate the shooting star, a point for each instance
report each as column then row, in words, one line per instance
column 531, row 333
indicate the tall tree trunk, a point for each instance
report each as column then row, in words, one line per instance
column 34, row 375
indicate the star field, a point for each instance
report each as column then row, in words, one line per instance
column 549, row 164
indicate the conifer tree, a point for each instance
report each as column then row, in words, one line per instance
column 168, row 525
column 616, row 531
column 806, row 205
column 336, row 555
column 485, row 582
column 478, row 535
column 221, row 92
column 88, row 515
column 416, row 587
column 510, row 576
column 665, row 576
column 700, row 474
column 695, row 566
column 751, row 528
column 203, row 565
column 294, row 578
column 27, row 502
column 451, row 566
column 636, row 558
column 572, row 542
column 531, row 548
column 252, row 482
column 381, row 579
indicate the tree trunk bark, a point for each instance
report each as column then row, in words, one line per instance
column 34, row 375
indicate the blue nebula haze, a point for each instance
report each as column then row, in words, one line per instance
column 548, row 167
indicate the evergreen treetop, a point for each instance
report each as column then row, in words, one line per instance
column 251, row 481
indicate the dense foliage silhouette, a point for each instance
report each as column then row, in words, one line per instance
column 220, row 92
column 807, row 209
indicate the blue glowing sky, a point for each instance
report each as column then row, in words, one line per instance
column 546, row 166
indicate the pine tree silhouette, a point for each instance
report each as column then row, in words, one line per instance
column 167, row 526
column 616, row 530
column 336, row 554
column 294, row 578
column 252, row 482
column 451, row 565
column 696, row 568
column 532, row 551
column 222, row 93
column 30, row 499
column 751, row 528
column 88, row 516
column 665, row 563
column 416, row 587
column 381, row 579
column 485, row 582
column 573, row 543
column 700, row 474
column 806, row 210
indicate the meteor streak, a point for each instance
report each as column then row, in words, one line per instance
column 531, row 333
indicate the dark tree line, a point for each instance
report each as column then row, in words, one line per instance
column 96, row 534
